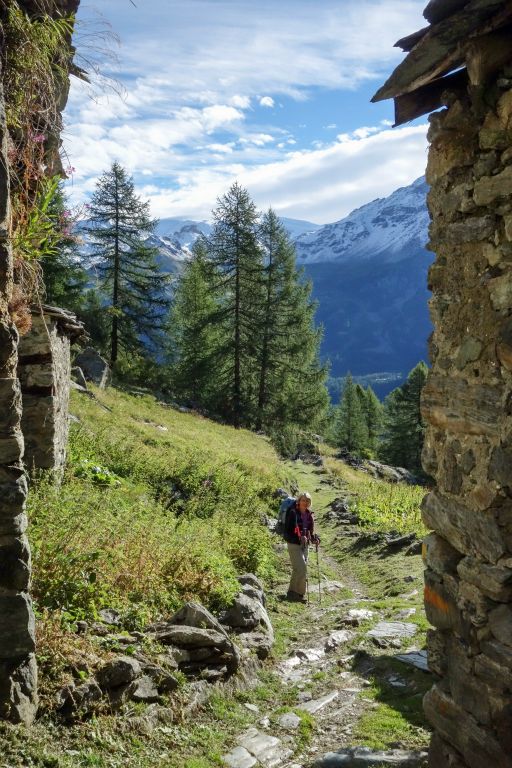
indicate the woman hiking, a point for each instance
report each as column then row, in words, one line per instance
column 299, row 532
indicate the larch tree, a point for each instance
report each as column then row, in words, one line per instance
column 134, row 288
column 236, row 259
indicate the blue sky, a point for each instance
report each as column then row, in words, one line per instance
column 272, row 93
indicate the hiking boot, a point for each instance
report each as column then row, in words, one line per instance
column 295, row 597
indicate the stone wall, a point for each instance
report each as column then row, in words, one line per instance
column 44, row 371
column 467, row 405
column 18, row 672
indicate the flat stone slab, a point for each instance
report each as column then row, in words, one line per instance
column 268, row 751
column 239, row 758
column 327, row 586
column 416, row 659
column 362, row 757
column 315, row 705
column 389, row 629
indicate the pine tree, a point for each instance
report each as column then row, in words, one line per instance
column 291, row 379
column 374, row 419
column 64, row 277
column 351, row 432
column 119, row 225
column 403, row 425
column 194, row 338
column 237, row 262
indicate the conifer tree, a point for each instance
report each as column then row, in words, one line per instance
column 194, row 337
column 351, row 431
column 119, row 225
column 291, row 379
column 236, row 258
column 374, row 418
column 403, row 425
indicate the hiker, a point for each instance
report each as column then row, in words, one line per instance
column 299, row 533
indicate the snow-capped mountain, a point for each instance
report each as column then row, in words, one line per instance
column 387, row 227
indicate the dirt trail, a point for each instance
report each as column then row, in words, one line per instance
column 318, row 671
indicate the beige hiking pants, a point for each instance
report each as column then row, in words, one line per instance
column 298, row 559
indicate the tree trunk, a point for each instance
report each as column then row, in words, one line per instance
column 262, row 393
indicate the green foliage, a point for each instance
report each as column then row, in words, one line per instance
column 387, row 506
column 352, row 433
column 404, row 429
column 155, row 507
column 374, row 414
column 130, row 281
column 64, row 277
column 194, row 338
column 244, row 344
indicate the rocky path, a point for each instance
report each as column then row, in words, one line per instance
column 317, row 673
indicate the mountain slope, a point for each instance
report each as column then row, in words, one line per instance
column 389, row 228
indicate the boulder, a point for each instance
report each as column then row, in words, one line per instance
column 363, row 757
column 78, row 701
column 118, row 672
column 252, row 580
column 94, row 367
column 245, row 613
column 78, row 376
column 196, row 615
column 164, row 681
column 191, row 637
column 145, row 689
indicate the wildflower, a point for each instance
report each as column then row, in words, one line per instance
column 38, row 138
column 70, row 170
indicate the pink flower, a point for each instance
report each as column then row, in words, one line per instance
column 69, row 170
column 38, row 138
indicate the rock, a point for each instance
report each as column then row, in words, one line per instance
column 259, row 642
column 385, row 630
column 17, row 625
column 439, row 555
column 239, row 758
column 78, row 375
column 247, row 613
column 356, row 616
column 363, row 757
column 492, row 580
column 109, row 616
column 164, row 681
column 94, row 367
column 18, row 690
column 490, row 188
column 254, row 593
column 252, row 708
column 315, row 705
column 289, row 721
column 251, row 580
column 195, row 615
column 145, row 689
column 269, row 751
column 392, row 474
column 417, row 659
column 399, row 542
column 191, row 637
column 80, row 700
column 500, row 624
column 336, row 639
column 118, row 671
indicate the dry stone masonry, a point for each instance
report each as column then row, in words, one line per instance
column 18, row 671
column 467, row 401
column 44, row 371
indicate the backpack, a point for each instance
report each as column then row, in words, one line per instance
column 285, row 505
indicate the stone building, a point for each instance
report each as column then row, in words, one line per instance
column 18, row 671
column 461, row 65
column 44, row 371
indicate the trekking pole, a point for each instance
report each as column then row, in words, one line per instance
column 307, row 579
column 319, row 576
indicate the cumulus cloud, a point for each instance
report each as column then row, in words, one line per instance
column 267, row 101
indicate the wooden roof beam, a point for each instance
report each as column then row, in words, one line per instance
column 430, row 97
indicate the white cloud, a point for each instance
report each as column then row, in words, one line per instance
column 319, row 185
column 266, row 101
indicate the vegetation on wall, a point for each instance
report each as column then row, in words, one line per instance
column 36, row 57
